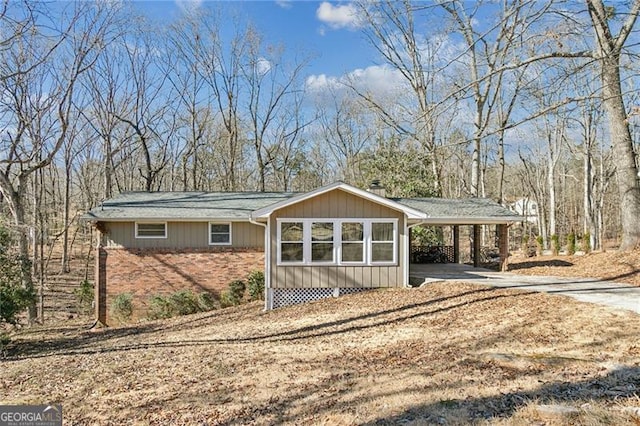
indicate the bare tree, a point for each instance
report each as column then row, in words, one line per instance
column 608, row 50
column 37, row 105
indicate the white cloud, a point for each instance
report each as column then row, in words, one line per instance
column 340, row 16
column 379, row 80
column 187, row 6
column 285, row 4
column 263, row 66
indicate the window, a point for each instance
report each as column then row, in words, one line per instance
column 337, row 241
column 151, row 230
column 219, row 233
column 352, row 242
column 322, row 242
column 291, row 242
column 382, row 242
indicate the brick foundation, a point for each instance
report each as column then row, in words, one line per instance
column 148, row 272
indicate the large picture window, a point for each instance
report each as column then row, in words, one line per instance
column 151, row 230
column 219, row 234
column 337, row 241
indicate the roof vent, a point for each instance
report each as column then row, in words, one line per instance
column 376, row 188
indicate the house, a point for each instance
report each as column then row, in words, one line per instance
column 334, row 240
column 526, row 207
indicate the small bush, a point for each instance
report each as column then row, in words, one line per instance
column 234, row 295
column 586, row 243
column 255, row 285
column 122, row 307
column 555, row 244
column 540, row 244
column 182, row 302
column 84, row 298
column 4, row 342
column 571, row 244
column 159, row 308
column 206, row 302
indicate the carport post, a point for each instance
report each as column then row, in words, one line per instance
column 476, row 246
column 456, row 244
column 503, row 246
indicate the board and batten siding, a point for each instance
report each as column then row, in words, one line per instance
column 337, row 204
column 182, row 235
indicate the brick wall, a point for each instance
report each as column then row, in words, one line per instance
column 147, row 272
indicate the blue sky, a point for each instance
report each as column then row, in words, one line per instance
column 325, row 31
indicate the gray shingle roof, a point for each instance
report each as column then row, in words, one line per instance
column 203, row 206
column 469, row 210
column 183, row 205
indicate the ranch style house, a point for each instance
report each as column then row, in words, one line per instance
column 334, row 240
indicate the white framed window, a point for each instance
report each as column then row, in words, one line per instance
column 219, row 233
column 337, row 241
column 352, row 242
column 151, row 230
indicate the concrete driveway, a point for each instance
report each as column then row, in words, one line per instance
column 592, row 290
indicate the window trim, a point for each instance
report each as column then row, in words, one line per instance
column 230, row 242
column 143, row 237
column 337, row 241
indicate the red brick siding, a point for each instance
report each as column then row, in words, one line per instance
column 147, row 272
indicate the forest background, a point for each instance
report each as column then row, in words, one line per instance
column 534, row 101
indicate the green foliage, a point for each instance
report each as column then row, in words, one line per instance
column 84, row 297
column 426, row 235
column 401, row 166
column 571, row 244
column 121, row 308
column 182, row 302
column 255, row 285
column 15, row 297
column 540, row 244
column 555, row 244
column 159, row 308
column 234, row 295
column 586, row 243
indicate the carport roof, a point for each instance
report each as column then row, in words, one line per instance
column 467, row 211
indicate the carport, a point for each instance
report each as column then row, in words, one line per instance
column 472, row 212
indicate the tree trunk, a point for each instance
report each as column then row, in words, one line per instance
column 623, row 154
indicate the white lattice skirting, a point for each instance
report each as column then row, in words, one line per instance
column 280, row 297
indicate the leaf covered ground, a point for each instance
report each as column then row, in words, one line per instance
column 444, row 354
column 612, row 265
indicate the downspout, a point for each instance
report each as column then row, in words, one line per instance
column 267, row 260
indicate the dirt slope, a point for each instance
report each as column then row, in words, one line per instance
column 451, row 353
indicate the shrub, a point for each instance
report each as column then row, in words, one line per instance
column 540, row 244
column 555, row 244
column 159, row 308
column 122, row 307
column 16, row 294
column 182, row 302
column 255, row 285
column 571, row 244
column 234, row 294
column 84, row 297
column 586, row 243
column 4, row 342
column 206, row 302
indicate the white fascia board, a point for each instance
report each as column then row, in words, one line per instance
column 167, row 219
column 468, row 221
column 410, row 212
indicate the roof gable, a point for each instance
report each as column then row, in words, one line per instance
column 411, row 213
